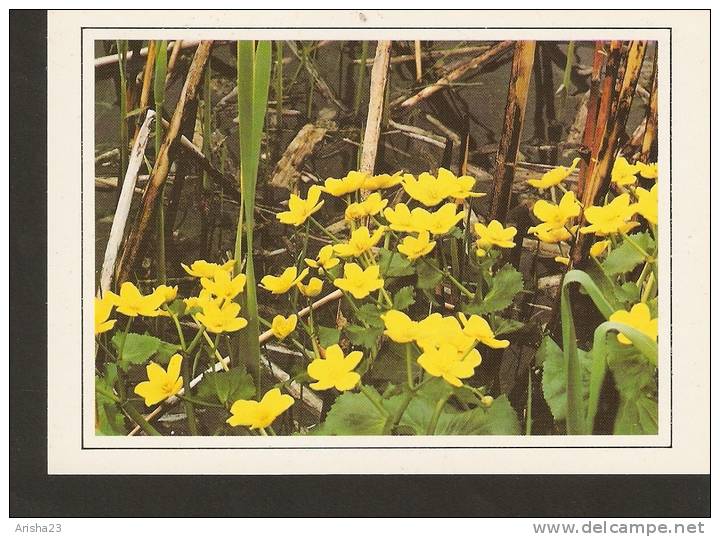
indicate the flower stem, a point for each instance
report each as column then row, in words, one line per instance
column 436, row 414
column 189, row 408
column 377, row 404
column 324, row 230
column 408, row 366
column 140, row 420
column 181, row 336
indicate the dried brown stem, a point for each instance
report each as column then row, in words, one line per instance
column 378, row 79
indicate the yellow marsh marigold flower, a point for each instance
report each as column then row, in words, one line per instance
column 199, row 301
column 558, row 214
column 445, row 362
column 259, row 414
column 493, row 234
column 312, row 288
column 399, row 327
column 415, row 247
column 648, row 171
column 440, row 221
column 168, row 293
column 460, row 187
column 222, row 286
column 384, row 180
column 597, row 249
column 301, row 209
column 554, row 176
column 218, row 319
column 551, row 233
column 370, row 206
column 430, row 190
column 401, row 219
column 203, row 269
column 623, row 173
column 478, row 328
column 282, row 327
column 352, row 182
column 278, row 285
column 638, row 318
column 647, row 204
column 360, row 241
column 161, row 384
column 325, row 259
column 336, row 370
column 358, row 282
column 132, row 303
column 436, row 330
column 612, row 218
column 103, row 308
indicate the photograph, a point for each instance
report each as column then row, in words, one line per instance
column 390, row 237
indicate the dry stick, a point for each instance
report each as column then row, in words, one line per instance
column 146, row 82
column 162, row 164
column 458, row 72
column 418, row 60
column 308, row 396
column 322, row 86
column 431, row 54
column 123, row 207
column 592, row 113
column 522, row 64
column 378, row 78
column 652, row 116
column 112, row 59
column 176, row 48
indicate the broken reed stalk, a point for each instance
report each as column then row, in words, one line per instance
column 522, row 65
column 176, row 47
column 123, row 207
column 598, row 184
column 307, row 396
column 122, row 49
column 433, row 54
column 651, row 119
column 418, row 61
column 592, row 112
column 487, row 56
column 146, row 82
column 378, row 79
column 162, row 164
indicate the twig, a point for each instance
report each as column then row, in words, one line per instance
column 123, row 207
column 319, row 81
column 112, row 59
column 378, row 78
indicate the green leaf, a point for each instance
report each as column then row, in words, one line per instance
column 364, row 336
column 352, row 414
column 404, row 298
column 389, row 364
column 505, row 285
column 370, row 315
column 554, row 380
column 110, row 420
column 394, row 265
column 626, row 257
column 226, row 386
column 501, row 325
column 139, row 348
column 428, row 275
column 637, row 415
column 178, row 308
column 327, row 336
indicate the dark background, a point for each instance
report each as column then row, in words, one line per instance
column 33, row 493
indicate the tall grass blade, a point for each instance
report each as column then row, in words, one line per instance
column 159, row 96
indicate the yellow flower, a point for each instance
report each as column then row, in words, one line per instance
column 551, row 233
column 494, row 234
column 132, row 303
column 203, row 269
column 445, row 362
column 612, row 218
column 647, row 204
column 399, row 327
column 414, row 247
column 222, row 286
column 638, row 318
column 430, row 190
column 554, row 176
column 360, row 241
column 339, row 187
column 559, row 214
column 168, row 293
column 161, row 384
column 401, row 219
column 478, row 328
column 358, row 282
column 278, row 285
column 300, row 209
column 282, row 327
column 371, row 206
column 325, row 259
column 103, row 308
column 201, row 300
column 436, row 330
column 623, row 173
column 460, row 187
column 597, row 249
column 440, row 221
column 384, row 180
column 259, row 414
column 336, row 370
column 648, row 171
column 221, row 319
column 313, row 287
